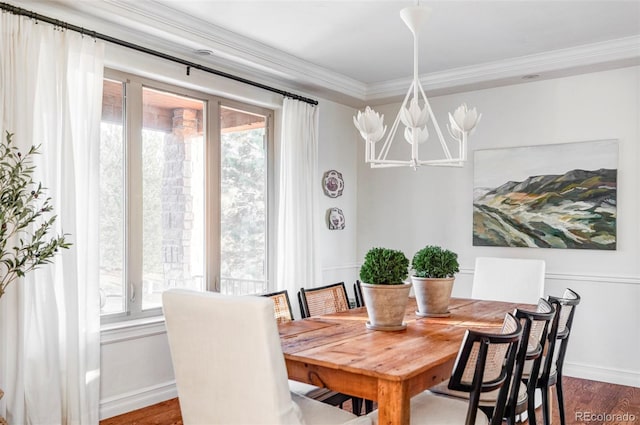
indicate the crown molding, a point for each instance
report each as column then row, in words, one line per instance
column 615, row 53
column 156, row 25
column 253, row 57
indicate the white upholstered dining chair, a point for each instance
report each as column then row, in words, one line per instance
column 229, row 365
column 508, row 279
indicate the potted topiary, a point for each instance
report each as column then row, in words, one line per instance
column 383, row 288
column 433, row 276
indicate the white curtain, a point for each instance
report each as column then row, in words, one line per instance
column 51, row 95
column 297, row 200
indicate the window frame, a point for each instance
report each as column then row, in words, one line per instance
column 133, row 86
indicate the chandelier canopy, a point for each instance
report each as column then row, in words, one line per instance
column 415, row 113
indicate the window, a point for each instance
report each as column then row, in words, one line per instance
column 243, row 197
column 181, row 205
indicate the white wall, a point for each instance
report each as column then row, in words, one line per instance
column 407, row 209
column 337, row 151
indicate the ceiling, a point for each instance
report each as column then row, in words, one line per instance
column 357, row 51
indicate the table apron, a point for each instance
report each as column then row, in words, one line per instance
column 362, row 385
column 335, row 379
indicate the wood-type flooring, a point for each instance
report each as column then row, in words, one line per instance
column 586, row 402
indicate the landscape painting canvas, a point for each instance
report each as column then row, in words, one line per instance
column 549, row 196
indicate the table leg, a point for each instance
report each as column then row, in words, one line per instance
column 393, row 403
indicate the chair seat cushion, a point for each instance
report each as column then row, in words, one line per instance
column 317, row 413
column 528, row 365
column 303, row 388
column 324, row 395
column 488, row 398
column 430, row 409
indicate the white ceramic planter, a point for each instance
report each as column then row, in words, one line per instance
column 386, row 305
column 432, row 295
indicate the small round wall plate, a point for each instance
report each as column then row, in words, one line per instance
column 335, row 219
column 332, row 183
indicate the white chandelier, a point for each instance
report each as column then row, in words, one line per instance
column 415, row 117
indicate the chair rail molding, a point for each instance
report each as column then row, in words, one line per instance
column 610, row 278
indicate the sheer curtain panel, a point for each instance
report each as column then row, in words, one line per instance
column 51, row 95
column 297, row 198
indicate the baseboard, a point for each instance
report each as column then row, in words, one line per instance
column 595, row 373
column 133, row 400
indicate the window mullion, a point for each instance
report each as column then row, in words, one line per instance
column 134, row 198
column 212, row 197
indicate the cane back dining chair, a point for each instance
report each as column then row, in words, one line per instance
column 484, row 363
column 284, row 313
column 321, row 300
column 538, row 323
column 229, row 367
column 329, row 299
column 357, row 292
column 549, row 369
column 534, row 331
column 281, row 305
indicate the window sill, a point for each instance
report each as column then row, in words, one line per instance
column 111, row 333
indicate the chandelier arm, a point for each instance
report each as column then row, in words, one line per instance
column 443, row 144
column 367, row 148
column 392, row 131
column 387, row 142
column 463, row 146
column 432, row 162
column 390, row 165
column 394, row 128
column 453, row 164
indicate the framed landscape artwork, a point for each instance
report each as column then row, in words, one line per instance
column 548, row 196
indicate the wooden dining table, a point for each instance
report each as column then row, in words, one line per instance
column 337, row 351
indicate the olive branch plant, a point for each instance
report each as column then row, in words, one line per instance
column 25, row 219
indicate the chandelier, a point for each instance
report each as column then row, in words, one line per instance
column 415, row 114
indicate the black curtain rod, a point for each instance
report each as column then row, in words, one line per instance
column 64, row 25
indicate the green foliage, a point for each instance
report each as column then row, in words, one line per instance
column 112, row 205
column 383, row 266
column 25, row 221
column 435, row 262
column 243, row 204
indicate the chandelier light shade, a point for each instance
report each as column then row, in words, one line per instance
column 416, row 116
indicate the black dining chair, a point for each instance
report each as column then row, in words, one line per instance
column 534, row 335
column 357, row 291
column 329, row 299
column 534, row 331
column 484, row 364
column 549, row 369
column 281, row 305
column 321, row 300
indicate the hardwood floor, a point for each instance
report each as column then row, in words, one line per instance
column 584, row 402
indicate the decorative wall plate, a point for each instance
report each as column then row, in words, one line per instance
column 332, row 183
column 335, row 219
